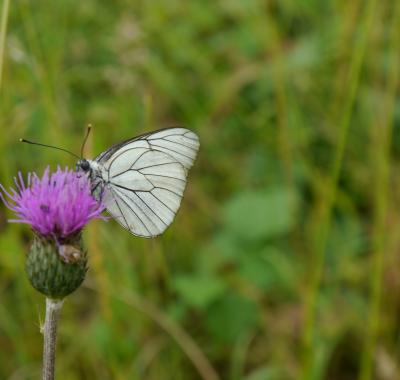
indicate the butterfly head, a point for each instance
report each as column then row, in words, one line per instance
column 83, row 165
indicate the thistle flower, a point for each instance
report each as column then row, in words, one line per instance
column 57, row 206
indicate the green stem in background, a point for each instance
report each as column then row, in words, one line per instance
column 53, row 308
column 381, row 142
column 3, row 32
column 4, row 168
column 276, row 52
column 308, row 336
column 41, row 69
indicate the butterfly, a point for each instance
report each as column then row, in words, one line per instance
column 141, row 180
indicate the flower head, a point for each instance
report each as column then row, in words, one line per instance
column 56, row 205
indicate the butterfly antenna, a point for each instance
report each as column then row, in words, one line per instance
column 89, row 127
column 49, row 146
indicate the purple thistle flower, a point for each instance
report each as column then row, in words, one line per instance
column 56, row 205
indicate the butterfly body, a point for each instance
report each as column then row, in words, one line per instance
column 97, row 178
column 141, row 180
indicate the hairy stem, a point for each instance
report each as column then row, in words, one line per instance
column 53, row 308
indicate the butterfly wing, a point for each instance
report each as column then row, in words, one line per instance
column 145, row 179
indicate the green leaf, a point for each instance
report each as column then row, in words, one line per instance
column 271, row 269
column 198, row 291
column 230, row 317
column 256, row 215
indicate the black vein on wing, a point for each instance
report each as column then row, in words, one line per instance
column 173, row 192
column 133, row 211
column 176, row 142
column 161, row 175
column 123, row 152
column 144, row 137
column 163, row 149
column 119, row 208
column 123, row 216
column 154, row 165
column 169, row 208
column 151, row 181
column 140, row 156
column 140, row 208
column 172, row 150
column 191, row 138
column 151, row 192
column 157, row 216
column 130, row 168
column 153, row 137
column 144, row 167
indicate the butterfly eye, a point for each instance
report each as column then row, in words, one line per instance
column 84, row 165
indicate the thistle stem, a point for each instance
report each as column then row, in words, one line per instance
column 53, row 308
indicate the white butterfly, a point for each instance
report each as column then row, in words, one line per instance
column 141, row 180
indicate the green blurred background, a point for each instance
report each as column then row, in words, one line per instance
column 283, row 261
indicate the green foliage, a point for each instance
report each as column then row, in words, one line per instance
column 257, row 215
column 198, row 290
column 232, row 316
column 266, row 231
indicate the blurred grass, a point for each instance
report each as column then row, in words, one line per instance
column 381, row 130
column 283, row 260
column 344, row 118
